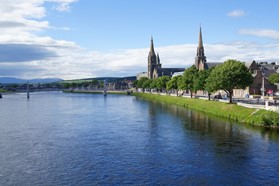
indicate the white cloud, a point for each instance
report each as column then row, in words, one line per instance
column 79, row 63
column 237, row 13
column 74, row 62
column 62, row 5
column 21, row 19
column 268, row 33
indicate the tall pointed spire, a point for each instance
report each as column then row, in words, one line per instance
column 152, row 50
column 158, row 60
column 200, row 48
column 200, row 60
column 152, row 60
column 200, row 43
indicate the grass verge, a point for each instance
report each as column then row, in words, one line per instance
column 231, row 111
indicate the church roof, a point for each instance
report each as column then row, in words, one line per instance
column 169, row 71
column 268, row 69
column 209, row 65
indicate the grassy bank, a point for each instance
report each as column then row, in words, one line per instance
column 2, row 90
column 230, row 111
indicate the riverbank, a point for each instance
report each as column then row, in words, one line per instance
column 233, row 112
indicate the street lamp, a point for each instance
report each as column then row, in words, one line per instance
column 262, row 89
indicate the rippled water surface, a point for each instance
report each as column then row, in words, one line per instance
column 81, row 139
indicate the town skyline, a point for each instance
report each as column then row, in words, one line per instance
column 73, row 39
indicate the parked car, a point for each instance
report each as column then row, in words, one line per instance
column 218, row 96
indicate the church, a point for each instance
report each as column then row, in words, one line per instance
column 155, row 69
column 200, row 59
column 260, row 71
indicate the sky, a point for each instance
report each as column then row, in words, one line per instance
column 74, row 39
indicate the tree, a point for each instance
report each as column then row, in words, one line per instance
column 135, row 83
column 94, row 83
column 73, row 85
column 101, row 84
column 153, row 85
column 161, row 82
column 200, row 81
column 147, row 84
column 66, row 85
column 141, row 82
column 273, row 78
column 188, row 78
column 230, row 75
column 173, row 84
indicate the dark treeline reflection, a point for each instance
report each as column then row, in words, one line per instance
column 208, row 124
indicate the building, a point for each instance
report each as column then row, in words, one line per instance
column 141, row 74
column 200, row 59
column 120, row 85
column 260, row 71
column 155, row 69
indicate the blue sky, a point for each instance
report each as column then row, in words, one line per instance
column 91, row 38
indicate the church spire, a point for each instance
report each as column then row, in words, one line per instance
column 200, row 59
column 200, row 48
column 152, row 50
column 152, row 60
column 200, row 43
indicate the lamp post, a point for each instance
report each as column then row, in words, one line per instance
column 263, row 85
column 262, row 89
column 27, row 89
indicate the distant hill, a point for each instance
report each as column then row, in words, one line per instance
column 11, row 80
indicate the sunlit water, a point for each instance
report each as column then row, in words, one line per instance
column 82, row 139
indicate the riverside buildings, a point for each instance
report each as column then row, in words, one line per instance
column 260, row 71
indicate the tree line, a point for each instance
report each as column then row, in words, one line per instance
column 79, row 84
column 230, row 75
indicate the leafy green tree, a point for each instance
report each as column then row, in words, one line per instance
column 101, row 84
column 147, row 84
column 73, row 85
column 154, row 84
column 135, row 83
column 66, row 85
column 230, row 75
column 188, row 79
column 141, row 82
column 273, row 78
column 85, row 84
column 94, row 83
column 200, row 81
column 181, row 83
column 161, row 82
column 173, row 84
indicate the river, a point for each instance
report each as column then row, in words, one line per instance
column 88, row 139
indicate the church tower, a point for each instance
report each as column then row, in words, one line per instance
column 152, row 60
column 200, row 58
column 158, row 62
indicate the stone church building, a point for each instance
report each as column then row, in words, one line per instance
column 155, row 69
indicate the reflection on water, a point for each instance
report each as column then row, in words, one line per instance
column 81, row 139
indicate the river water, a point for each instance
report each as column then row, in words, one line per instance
column 88, row 139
